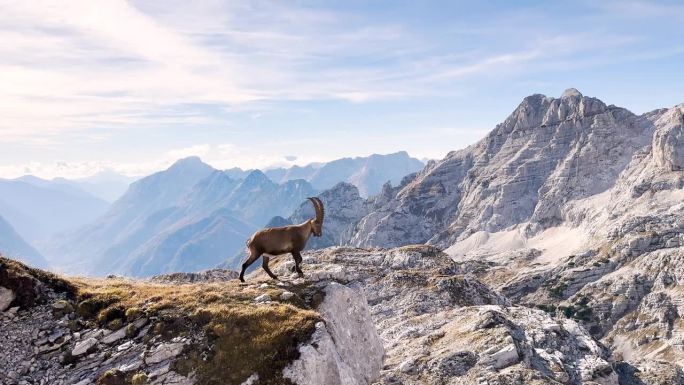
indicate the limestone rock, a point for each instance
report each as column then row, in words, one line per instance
column 262, row 298
column 6, row 298
column 83, row 346
column 164, row 352
column 344, row 350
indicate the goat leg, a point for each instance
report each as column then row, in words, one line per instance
column 298, row 260
column 264, row 264
column 252, row 257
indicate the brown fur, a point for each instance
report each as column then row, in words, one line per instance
column 282, row 240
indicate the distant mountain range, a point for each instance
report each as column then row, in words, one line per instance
column 38, row 209
column 106, row 185
column 368, row 173
column 189, row 216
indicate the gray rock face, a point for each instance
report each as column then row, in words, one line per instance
column 346, row 349
column 546, row 153
column 83, row 346
column 343, row 208
column 6, row 298
column 439, row 326
column 668, row 142
column 611, row 260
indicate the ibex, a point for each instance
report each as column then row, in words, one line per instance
column 281, row 240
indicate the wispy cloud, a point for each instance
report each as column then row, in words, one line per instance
column 77, row 72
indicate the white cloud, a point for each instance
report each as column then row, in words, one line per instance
column 72, row 65
column 77, row 72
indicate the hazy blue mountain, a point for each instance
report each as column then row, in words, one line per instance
column 133, row 218
column 188, row 246
column 367, row 173
column 13, row 246
column 59, row 184
column 185, row 218
column 39, row 209
column 108, row 185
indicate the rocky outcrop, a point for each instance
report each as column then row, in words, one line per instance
column 213, row 275
column 668, row 142
column 179, row 329
column 345, row 349
column 613, row 261
column 441, row 326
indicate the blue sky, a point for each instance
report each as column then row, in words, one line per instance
column 132, row 86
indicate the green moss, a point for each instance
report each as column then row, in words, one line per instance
column 115, row 324
column 568, row 311
column 110, row 314
column 90, row 307
column 139, row 379
column 583, row 314
column 547, row 308
column 112, row 377
column 133, row 313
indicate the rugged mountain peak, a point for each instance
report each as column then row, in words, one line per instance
column 190, row 164
column 540, row 111
column 548, row 152
column 571, row 93
column 256, row 177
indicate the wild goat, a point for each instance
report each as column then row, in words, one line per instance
column 281, row 240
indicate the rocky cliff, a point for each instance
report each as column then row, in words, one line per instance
column 440, row 324
column 409, row 315
column 548, row 152
column 182, row 329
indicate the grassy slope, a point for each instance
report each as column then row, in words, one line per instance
column 242, row 337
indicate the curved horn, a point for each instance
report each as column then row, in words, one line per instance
column 318, row 206
column 320, row 203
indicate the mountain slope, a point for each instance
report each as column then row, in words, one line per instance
column 186, row 218
column 107, row 184
column 13, row 246
column 39, row 211
column 130, row 220
column 547, row 152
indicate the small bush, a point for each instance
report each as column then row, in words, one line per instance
column 139, row 379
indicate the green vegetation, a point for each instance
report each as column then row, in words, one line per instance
column 139, row 379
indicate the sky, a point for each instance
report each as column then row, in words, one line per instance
column 131, row 86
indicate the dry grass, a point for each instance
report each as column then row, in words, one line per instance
column 243, row 337
column 247, row 338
